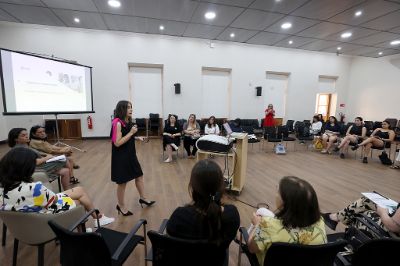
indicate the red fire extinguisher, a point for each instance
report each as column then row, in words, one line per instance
column 89, row 122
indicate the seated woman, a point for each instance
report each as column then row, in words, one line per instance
column 316, row 126
column 235, row 125
column 191, row 129
column 379, row 215
column 355, row 135
column 18, row 137
column 39, row 142
column 297, row 219
column 171, row 136
column 20, row 193
column 378, row 139
column 206, row 217
column 331, row 134
column 211, row 127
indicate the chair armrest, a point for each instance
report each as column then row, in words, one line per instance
column 123, row 244
column 84, row 218
column 244, row 233
column 343, row 260
column 163, row 226
column 371, row 225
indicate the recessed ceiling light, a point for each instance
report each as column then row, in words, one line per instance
column 346, row 35
column 286, row 25
column 161, row 27
column 395, row 42
column 114, row 3
column 232, row 35
column 210, row 15
column 380, row 53
column 77, row 20
column 339, row 48
column 278, row 1
column 290, row 42
column 358, row 13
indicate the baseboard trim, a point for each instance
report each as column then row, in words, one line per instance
column 98, row 137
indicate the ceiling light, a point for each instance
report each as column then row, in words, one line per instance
column 114, row 3
column 339, row 48
column 232, row 35
column 210, row 15
column 395, row 42
column 286, row 25
column 77, row 20
column 358, row 13
column 290, row 42
column 278, row 1
column 161, row 27
column 380, row 53
column 346, row 35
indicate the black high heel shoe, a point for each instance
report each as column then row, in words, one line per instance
column 145, row 202
column 128, row 213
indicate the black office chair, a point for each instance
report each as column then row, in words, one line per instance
column 154, row 123
column 271, row 135
column 102, row 247
column 167, row 251
column 302, row 132
column 369, row 125
column 289, row 126
column 284, row 133
column 294, row 254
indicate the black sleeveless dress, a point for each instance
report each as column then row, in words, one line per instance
column 124, row 163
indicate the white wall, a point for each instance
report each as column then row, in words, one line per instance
column 374, row 89
column 183, row 58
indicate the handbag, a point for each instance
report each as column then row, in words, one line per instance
column 318, row 144
column 385, row 158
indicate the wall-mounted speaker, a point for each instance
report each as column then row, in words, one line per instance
column 177, row 88
column 259, row 90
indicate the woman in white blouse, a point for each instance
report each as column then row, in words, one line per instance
column 211, row 127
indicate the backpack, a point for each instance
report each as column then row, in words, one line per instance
column 318, row 144
column 280, row 149
column 385, row 158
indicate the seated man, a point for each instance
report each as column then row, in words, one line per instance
column 235, row 125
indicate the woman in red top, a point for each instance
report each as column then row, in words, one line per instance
column 269, row 116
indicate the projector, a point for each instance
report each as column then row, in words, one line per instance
column 214, row 143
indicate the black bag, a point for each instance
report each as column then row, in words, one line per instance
column 385, row 158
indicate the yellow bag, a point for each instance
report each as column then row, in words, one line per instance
column 318, row 144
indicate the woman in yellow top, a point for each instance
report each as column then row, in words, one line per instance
column 297, row 219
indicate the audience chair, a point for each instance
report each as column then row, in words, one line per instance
column 387, row 145
column 377, row 124
column 392, row 122
column 102, row 247
column 142, row 125
column 302, row 132
column 271, row 135
column 369, row 125
column 283, row 132
column 154, row 123
column 32, row 228
column 289, row 126
column 167, row 251
column 293, row 254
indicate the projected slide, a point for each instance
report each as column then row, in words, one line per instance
column 34, row 84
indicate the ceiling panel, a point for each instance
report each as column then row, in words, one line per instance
column 267, row 38
column 178, row 10
column 323, row 30
column 388, row 45
column 298, row 24
column 224, row 14
column 370, row 9
column 240, row 35
column 240, row 3
column 24, row 2
column 255, row 20
column 324, row 9
column 125, row 23
column 346, row 47
column 170, row 27
column 395, row 30
column 376, row 38
column 203, row 31
column 4, row 16
column 364, row 50
column 296, row 42
column 387, row 22
column 284, row 6
column 385, row 52
column 319, row 45
column 87, row 20
column 32, row 14
column 81, row 5
column 357, row 33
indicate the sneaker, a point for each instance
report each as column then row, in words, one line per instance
column 174, row 146
column 168, row 161
column 342, row 155
column 324, row 151
column 104, row 220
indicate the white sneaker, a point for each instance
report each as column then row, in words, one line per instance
column 168, row 161
column 104, row 220
column 174, row 146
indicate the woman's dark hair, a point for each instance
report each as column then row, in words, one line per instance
column 359, row 118
column 334, row 118
column 17, row 166
column 169, row 117
column 33, row 131
column 13, row 135
column 121, row 110
column 208, row 122
column 321, row 117
column 206, row 188
column 300, row 203
column 316, row 117
column 387, row 122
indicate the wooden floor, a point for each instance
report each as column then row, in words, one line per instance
column 336, row 181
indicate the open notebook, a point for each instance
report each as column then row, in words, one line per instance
column 61, row 158
column 381, row 201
